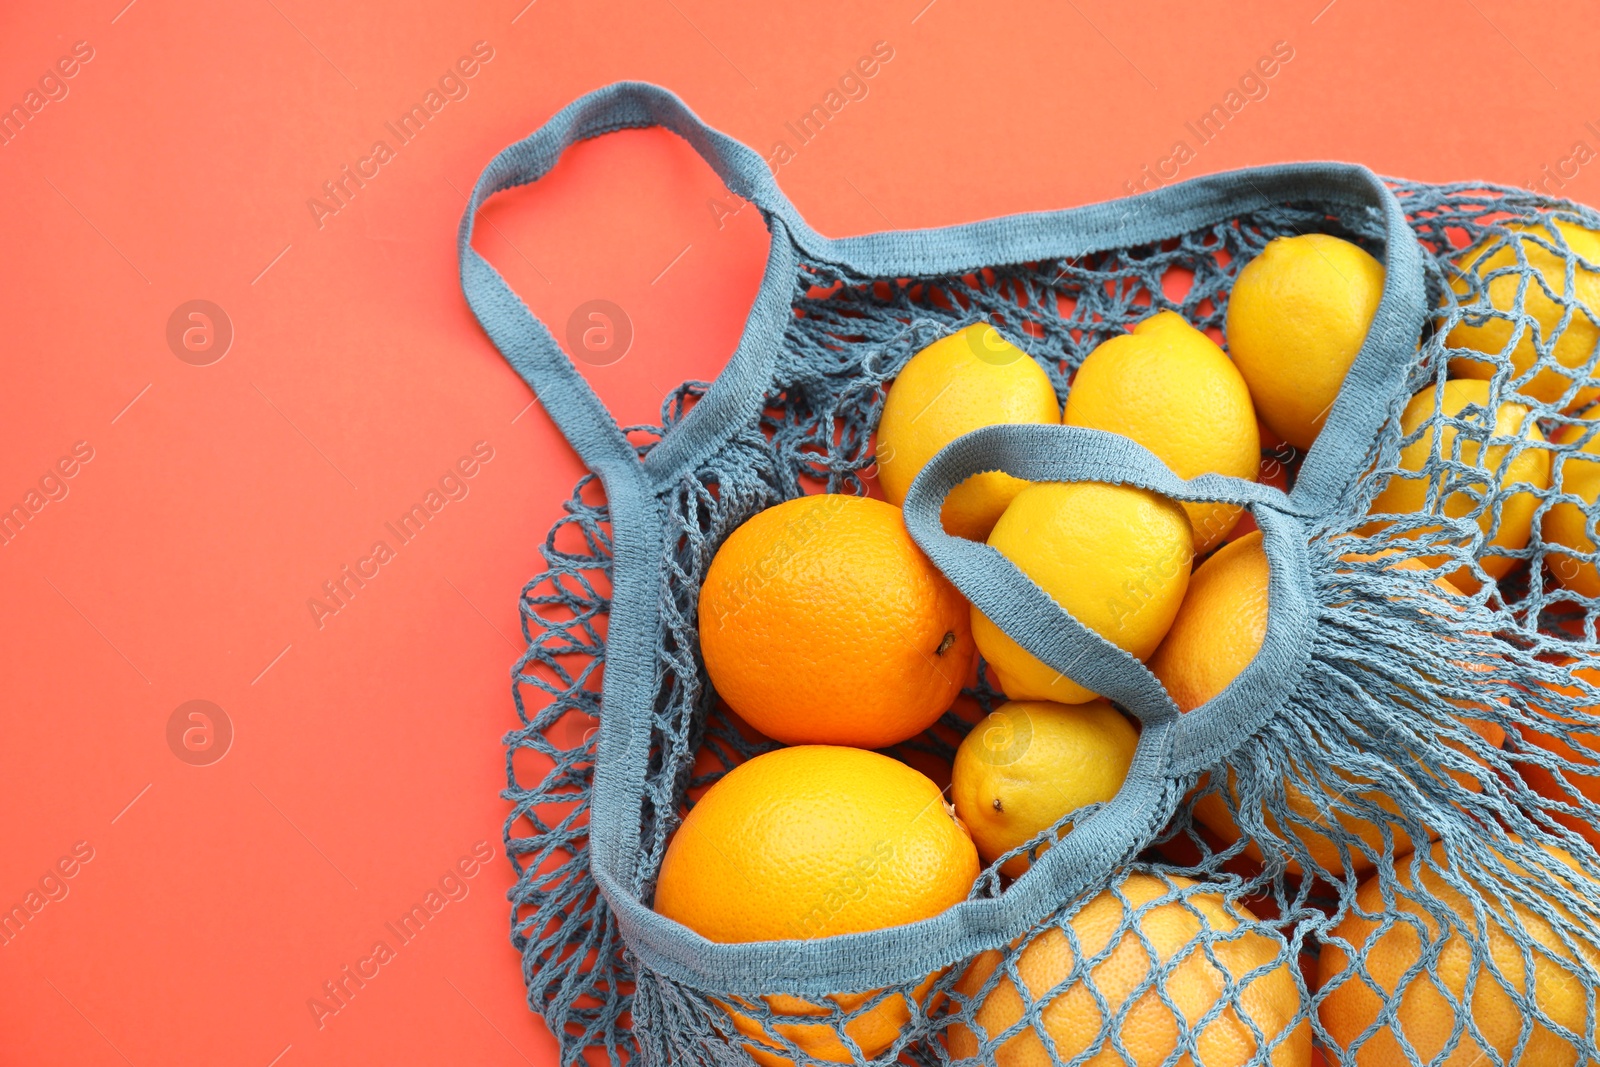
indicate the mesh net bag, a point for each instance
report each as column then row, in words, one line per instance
column 1376, row 846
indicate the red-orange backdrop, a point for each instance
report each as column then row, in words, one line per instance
column 188, row 485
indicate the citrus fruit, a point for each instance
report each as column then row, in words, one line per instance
column 1478, row 661
column 1220, row 625
column 822, row 622
column 1170, row 921
column 1297, row 317
column 1508, row 521
column 813, row 841
column 1167, row 386
column 1029, row 762
column 1576, row 343
column 1320, row 818
column 972, row 378
column 1116, row 558
column 1385, row 934
column 1313, row 813
column 1581, row 747
column 1216, row 634
column 1566, row 523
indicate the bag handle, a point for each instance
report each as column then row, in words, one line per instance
column 1013, row 602
column 737, row 393
column 1170, row 745
column 533, row 352
column 1341, row 452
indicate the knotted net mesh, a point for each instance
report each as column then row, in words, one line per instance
column 1398, row 868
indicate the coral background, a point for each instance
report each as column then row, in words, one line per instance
column 364, row 764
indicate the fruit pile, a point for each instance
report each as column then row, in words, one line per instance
column 835, row 645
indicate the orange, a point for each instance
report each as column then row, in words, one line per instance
column 1115, row 557
column 1386, row 937
column 814, row 841
column 1571, row 351
column 1505, row 525
column 822, row 622
column 1581, row 747
column 1223, row 620
column 973, row 378
column 1170, row 921
column 1219, row 626
column 1169, row 387
column 1567, row 524
column 1310, row 808
column 1216, row 634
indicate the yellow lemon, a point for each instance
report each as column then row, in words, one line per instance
column 1296, row 319
column 1030, row 762
column 1577, row 341
column 1531, row 466
column 1115, row 557
column 1170, row 388
column 1568, row 524
column 972, row 378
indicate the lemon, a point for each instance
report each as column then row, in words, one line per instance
column 1531, row 466
column 1296, row 319
column 1030, row 762
column 1573, row 349
column 1170, row 388
column 1115, row 557
column 1568, row 524
column 972, row 378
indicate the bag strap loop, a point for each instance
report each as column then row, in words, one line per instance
column 1012, row 601
column 527, row 343
column 1327, row 473
column 1379, row 371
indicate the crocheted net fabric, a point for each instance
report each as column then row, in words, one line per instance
column 1427, row 784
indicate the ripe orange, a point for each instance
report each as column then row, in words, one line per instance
column 1389, row 939
column 1149, row 1028
column 808, row 842
column 1217, row 632
column 1219, row 625
column 822, row 622
column 1580, row 747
